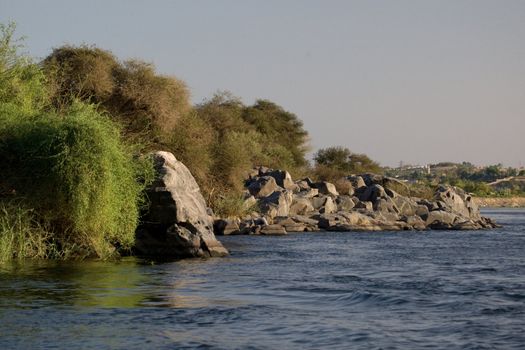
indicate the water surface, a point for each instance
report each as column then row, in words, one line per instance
column 404, row 290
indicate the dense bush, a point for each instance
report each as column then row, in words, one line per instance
column 145, row 103
column 334, row 162
column 74, row 175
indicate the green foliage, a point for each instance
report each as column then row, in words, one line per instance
column 231, row 204
column 21, row 81
column 280, row 127
column 22, row 235
column 75, row 175
column 191, row 142
column 224, row 139
column 145, row 103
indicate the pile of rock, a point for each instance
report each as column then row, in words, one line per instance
column 363, row 203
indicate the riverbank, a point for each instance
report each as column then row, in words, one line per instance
column 507, row 202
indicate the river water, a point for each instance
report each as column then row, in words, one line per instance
column 405, row 290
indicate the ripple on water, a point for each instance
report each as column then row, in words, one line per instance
column 434, row 290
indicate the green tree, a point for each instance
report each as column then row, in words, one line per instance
column 345, row 161
column 280, row 127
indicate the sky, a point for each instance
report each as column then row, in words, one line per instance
column 417, row 81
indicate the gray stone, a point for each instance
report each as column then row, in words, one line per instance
column 263, row 186
column 364, row 205
column 319, row 201
column 177, row 223
column 372, row 193
column 290, row 225
column 283, row 178
column 440, row 219
column 344, row 203
column 405, row 205
column 328, row 207
column 303, row 185
column 301, row 206
column 224, row 227
column 357, row 182
column 422, row 211
column 326, row 188
column 277, row 204
column 309, row 193
column 273, row 230
column 416, row 222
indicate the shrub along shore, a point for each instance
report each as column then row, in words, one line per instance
column 74, row 129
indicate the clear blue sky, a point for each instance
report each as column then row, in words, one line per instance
column 411, row 80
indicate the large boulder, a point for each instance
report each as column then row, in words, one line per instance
column 177, row 223
column 277, row 204
column 326, row 188
column 457, row 201
column 263, row 186
column 301, row 206
column 283, row 178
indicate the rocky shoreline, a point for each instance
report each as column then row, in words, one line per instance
column 179, row 224
column 368, row 203
column 496, row 202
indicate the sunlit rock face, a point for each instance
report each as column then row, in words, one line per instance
column 366, row 202
column 177, row 223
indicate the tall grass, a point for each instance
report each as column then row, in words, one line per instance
column 77, row 178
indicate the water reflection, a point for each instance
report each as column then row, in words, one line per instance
column 128, row 283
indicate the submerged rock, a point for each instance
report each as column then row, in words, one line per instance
column 177, row 223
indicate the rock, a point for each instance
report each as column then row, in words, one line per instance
column 440, row 220
column 326, row 188
column 415, row 222
column 310, row 193
column 283, row 178
column 224, row 227
column 466, row 225
column 405, row 205
column 344, row 203
column 392, row 185
column 330, row 221
column 376, row 203
column 263, row 186
column 452, row 198
column 303, row 185
column 385, row 205
column 373, row 179
column 290, row 225
column 372, row 193
column 263, row 170
column 301, row 206
column 328, row 206
column 318, row 201
column 304, row 220
column 422, row 211
column 364, row 205
column 274, row 230
column 277, row 204
column 356, row 181
column 177, row 223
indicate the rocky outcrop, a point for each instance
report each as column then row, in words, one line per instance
column 367, row 202
column 177, row 223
